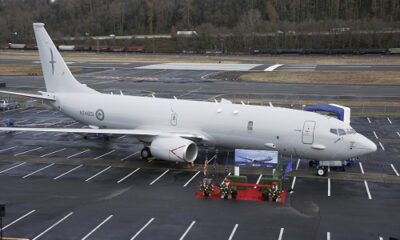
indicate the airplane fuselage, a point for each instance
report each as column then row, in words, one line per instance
column 292, row 132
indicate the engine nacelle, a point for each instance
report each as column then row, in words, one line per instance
column 174, row 149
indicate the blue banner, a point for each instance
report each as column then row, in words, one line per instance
column 256, row 158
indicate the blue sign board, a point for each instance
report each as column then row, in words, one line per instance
column 256, row 158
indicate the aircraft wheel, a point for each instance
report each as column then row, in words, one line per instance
column 145, row 153
column 321, row 171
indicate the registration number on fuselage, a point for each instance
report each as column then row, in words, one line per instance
column 86, row 113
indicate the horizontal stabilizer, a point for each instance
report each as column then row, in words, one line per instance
column 44, row 95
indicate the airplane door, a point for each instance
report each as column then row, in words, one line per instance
column 308, row 132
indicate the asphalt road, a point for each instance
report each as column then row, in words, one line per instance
column 60, row 186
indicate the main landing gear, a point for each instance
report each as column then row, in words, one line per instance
column 145, row 153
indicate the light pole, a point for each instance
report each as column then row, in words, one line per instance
column 2, row 214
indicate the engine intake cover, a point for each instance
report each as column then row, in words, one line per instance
column 174, row 149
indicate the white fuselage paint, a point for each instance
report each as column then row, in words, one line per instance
column 223, row 124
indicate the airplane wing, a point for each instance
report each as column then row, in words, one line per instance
column 133, row 132
column 256, row 160
column 247, row 159
column 44, row 96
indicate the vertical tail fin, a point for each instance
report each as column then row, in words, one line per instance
column 57, row 76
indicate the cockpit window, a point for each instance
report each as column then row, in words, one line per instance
column 351, row 131
column 341, row 132
column 334, row 131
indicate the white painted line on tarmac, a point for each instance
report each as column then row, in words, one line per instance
column 258, row 180
column 368, row 192
column 105, row 154
column 394, row 170
column 39, row 170
column 328, row 235
column 131, row 155
column 90, row 178
column 233, row 231
column 293, row 182
column 42, row 111
column 130, row 174
column 141, row 230
column 389, row 120
column 6, row 149
column 329, row 187
column 52, row 226
column 225, row 177
column 398, row 134
column 97, row 227
column 187, row 183
column 72, row 124
column 18, row 219
column 27, row 151
column 38, row 134
column 369, row 120
column 123, row 136
column 10, row 168
column 380, row 238
column 187, row 230
column 51, row 153
column 380, row 144
column 272, row 68
column 77, row 154
column 376, row 136
column 281, row 234
column 297, row 164
column 361, row 167
column 69, row 171
column 155, row 180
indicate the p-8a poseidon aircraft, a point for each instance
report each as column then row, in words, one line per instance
column 172, row 129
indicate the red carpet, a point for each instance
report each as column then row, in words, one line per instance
column 250, row 194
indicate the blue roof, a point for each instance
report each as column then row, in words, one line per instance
column 338, row 111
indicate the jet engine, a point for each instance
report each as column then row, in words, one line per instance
column 174, row 149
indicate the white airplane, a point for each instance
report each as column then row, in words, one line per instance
column 171, row 129
column 255, row 160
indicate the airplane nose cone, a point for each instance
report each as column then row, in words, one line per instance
column 367, row 145
column 371, row 146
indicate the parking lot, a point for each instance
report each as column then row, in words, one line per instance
column 62, row 185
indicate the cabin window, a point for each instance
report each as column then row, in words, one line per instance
column 250, row 126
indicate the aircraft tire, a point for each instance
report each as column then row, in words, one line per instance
column 321, row 171
column 145, row 153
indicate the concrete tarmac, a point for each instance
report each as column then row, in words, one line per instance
column 60, row 186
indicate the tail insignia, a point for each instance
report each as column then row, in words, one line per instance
column 52, row 61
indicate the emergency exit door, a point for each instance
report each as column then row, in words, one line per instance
column 308, row 132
